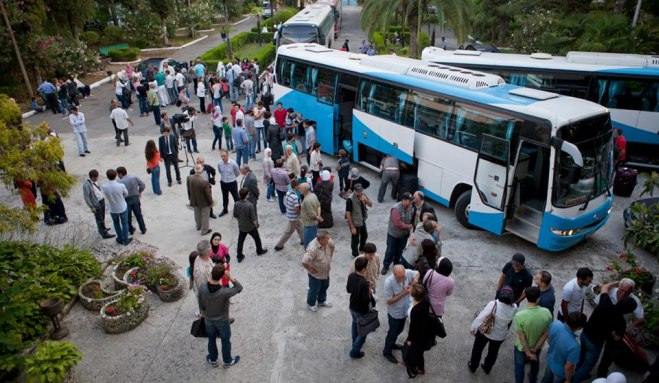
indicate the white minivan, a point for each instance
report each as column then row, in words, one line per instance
column 267, row 12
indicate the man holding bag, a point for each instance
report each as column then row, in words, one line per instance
column 360, row 303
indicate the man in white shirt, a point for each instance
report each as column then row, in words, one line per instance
column 201, row 93
column 572, row 296
column 115, row 193
column 169, row 85
column 95, row 200
column 188, row 129
column 77, row 120
column 259, row 112
column 248, row 88
column 625, row 289
column 121, row 121
column 180, row 82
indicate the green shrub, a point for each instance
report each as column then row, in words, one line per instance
column 51, row 362
column 113, row 34
column 30, row 273
column 90, row 37
column 283, row 15
column 141, row 43
column 424, row 41
column 378, row 40
column 125, row 54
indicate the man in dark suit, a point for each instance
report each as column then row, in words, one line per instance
column 245, row 213
column 209, row 174
column 250, row 183
column 168, row 148
column 421, row 207
column 201, row 198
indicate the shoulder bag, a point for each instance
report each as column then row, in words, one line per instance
column 198, row 329
column 367, row 323
column 437, row 325
column 488, row 323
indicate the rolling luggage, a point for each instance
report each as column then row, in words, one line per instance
column 624, row 182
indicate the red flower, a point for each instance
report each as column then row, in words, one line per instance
column 164, row 287
column 609, row 268
column 110, row 310
column 133, row 274
column 623, row 257
column 98, row 287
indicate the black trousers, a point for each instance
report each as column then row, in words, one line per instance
column 241, row 241
column 53, row 104
column 480, row 341
column 135, row 207
column 99, row 215
column 118, row 133
column 229, row 188
column 359, row 240
column 171, row 159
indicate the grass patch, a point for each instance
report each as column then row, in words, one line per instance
column 250, row 50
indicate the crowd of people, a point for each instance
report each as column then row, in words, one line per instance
column 295, row 176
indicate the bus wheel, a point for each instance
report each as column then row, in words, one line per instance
column 462, row 209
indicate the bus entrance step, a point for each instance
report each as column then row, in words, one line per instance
column 524, row 229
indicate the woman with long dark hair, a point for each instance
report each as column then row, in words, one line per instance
column 420, row 335
column 153, row 165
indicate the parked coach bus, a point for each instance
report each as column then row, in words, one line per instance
column 628, row 85
column 337, row 7
column 508, row 158
column 313, row 24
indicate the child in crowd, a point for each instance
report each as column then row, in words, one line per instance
column 35, row 106
column 227, row 132
column 343, row 168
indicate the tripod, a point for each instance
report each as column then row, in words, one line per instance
column 183, row 147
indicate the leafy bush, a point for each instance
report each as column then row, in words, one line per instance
column 643, row 231
column 90, row 37
column 113, row 34
column 219, row 53
column 283, row 15
column 424, row 41
column 51, row 362
column 125, row 54
column 156, row 273
column 378, row 41
column 30, row 273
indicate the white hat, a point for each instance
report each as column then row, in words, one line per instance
column 325, row 175
column 614, row 377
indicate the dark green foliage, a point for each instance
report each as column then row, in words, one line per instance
column 219, row 53
column 113, row 34
column 90, row 38
column 125, row 54
column 30, row 273
column 51, row 362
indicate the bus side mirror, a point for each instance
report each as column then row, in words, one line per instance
column 569, row 148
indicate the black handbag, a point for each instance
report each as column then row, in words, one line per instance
column 198, row 329
column 367, row 323
column 436, row 322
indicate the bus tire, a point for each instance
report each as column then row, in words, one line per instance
column 462, row 209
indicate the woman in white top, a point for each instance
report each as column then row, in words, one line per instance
column 504, row 310
column 201, row 93
column 267, row 177
column 316, row 162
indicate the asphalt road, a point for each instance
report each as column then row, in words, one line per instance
column 278, row 339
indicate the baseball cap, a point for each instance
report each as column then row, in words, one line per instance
column 358, row 187
column 518, row 258
column 406, row 196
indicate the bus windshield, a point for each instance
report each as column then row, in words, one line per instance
column 299, row 34
column 593, row 137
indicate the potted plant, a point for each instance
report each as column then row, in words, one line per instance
column 631, row 269
column 53, row 362
column 93, row 296
column 140, row 259
column 168, row 286
column 127, row 312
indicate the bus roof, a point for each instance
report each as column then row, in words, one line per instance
column 627, row 64
column 313, row 14
column 465, row 84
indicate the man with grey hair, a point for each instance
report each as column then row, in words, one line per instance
column 413, row 249
column 316, row 261
column 625, row 289
column 201, row 198
column 250, row 183
column 208, row 172
column 396, row 294
column 420, row 207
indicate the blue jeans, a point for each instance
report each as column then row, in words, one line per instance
column 123, row 100
column 217, row 102
column 317, row 290
column 252, row 147
column 303, row 142
column 249, row 101
column 520, row 361
column 310, row 233
column 155, row 180
column 120, row 222
column 229, row 142
column 81, row 142
column 357, row 340
column 590, row 353
column 234, row 92
column 242, row 153
column 135, row 207
column 144, row 105
column 395, row 247
column 270, row 190
column 192, row 139
column 217, row 137
column 396, row 326
column 550, row 377
column 221, row 328
column 282, row 208
column 260, row 134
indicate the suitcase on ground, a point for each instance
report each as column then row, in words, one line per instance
column 624, row 182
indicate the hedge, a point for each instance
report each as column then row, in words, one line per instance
column 266, row 56
column 90, row 37
column 378, row 41
column 125, row 54
column 280, row 17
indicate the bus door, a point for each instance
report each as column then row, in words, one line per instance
column 343, row 119
column 489, row 200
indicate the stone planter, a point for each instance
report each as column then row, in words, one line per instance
column 171, row 293
column 119, row 283
column 71, row 376
column 648, row 286
column 129, row 279
column 127, row 321
column 644, row 337
column 94, row 304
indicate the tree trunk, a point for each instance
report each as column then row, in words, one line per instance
column 165, row 37
column 414, row 31
column 17, row 50
column 76, row 36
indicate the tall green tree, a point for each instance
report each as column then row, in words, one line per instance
column 73, row 14
column 164, row 9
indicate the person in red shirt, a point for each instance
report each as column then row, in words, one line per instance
column 234, row 110
column 280, row 115
column 621, row 145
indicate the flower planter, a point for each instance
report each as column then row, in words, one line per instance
column 119, row 283
column 86, row 291
column 648, row 286
column 135, row 276
column 170, row 293
column 125, row 322
column 71, row 376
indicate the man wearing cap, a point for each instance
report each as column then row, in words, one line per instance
column 400, row 225
column 515, row 275
column 356, row 213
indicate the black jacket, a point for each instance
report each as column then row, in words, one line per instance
column 162, row 145
column 210, row 171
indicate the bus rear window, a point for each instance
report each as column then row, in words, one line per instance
column 300, row 33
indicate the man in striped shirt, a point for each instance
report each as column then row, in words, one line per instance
column 292, row 203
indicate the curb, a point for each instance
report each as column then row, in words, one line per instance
column 92, row 86
column 125, row 62
column 175, row 48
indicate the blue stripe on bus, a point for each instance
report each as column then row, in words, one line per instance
column 435, row 197
column 488, row 96
column 552, row 242
column 362, row 134
column 492, row 222
column 311, row 109
column 636, row 135
column 632, row 71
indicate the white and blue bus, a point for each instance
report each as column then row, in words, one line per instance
column 628, row 85
column 313, row 24
column 508, row 158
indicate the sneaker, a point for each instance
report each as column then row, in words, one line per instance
column 271, row 200
column 263, row 251
column 325, row 304
column 211, row 362
column 359, row 355
column 233, row 362
column 313, row 309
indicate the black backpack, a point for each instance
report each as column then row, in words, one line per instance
column 237, row 81
column 72, row 88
